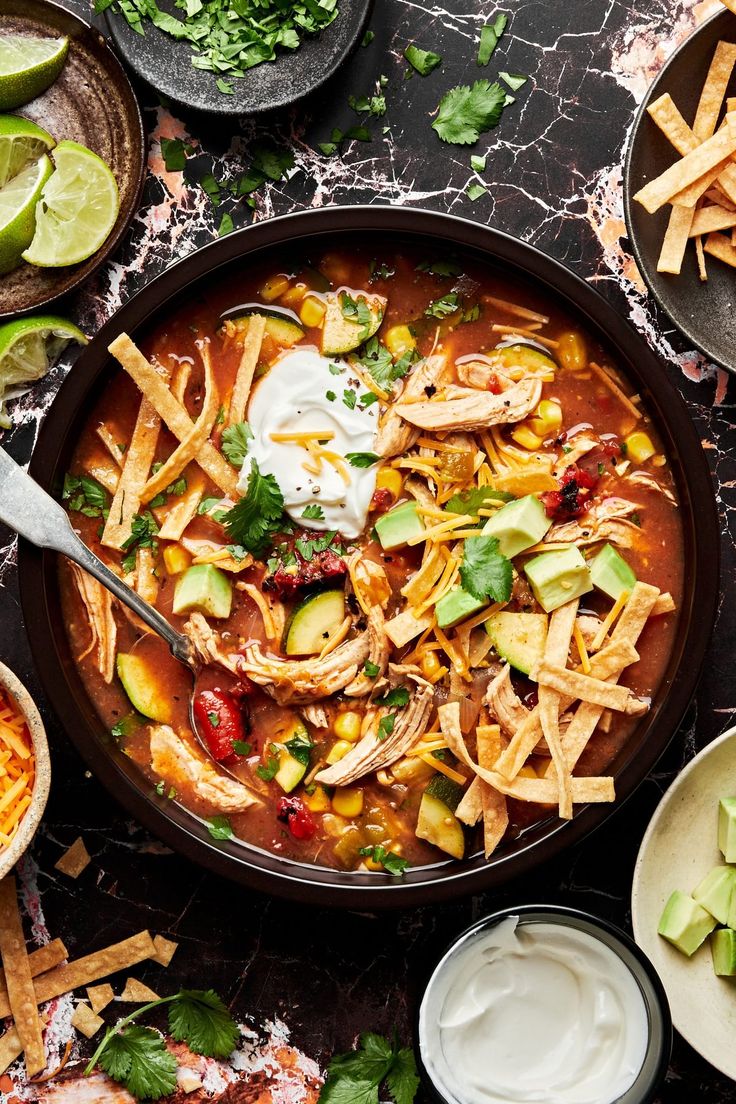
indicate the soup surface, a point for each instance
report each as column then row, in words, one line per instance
column 418, row 527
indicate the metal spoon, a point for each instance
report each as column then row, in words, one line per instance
column 31, row 512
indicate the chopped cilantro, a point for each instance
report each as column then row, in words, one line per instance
column 267, row 771
column 373, row 105
column 85, row 495
column 174, row 153
column 214, row 719
column 206, row 505
column 349, row 398
column 225, row 87
column 485, row 572
column 466, row 112
column 313, row 512
column 242, row 747
column 336, row 369
column 226, row 225
column 219, row 828
column 371, row 669
column 440, row 268
column 489, row 37
column 160, row 788
column 381, row 271
column 356, row 310
column 423, row 61
column 515, row 81
column 441, row 308
column 389, row 860
column 211, row 187
column 362, row 459
column 475, row 191
column 354, row 1078
column 367, row 38
column 478, row 163
column 307, row 549
column 398, row 697
column 253, row 520
column 386, row 726
column 330, row 396
column 368, row 398
column 235, row 441
column 299, row 748
column 469, row 502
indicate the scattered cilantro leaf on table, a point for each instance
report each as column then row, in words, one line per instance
column 226, row 225
column 489, row 37
column 368, row 38
column 475, row 191
column 355, row 1077
column 200, row 1019
column 466, row 112
column 485, row 572
column 515, row 81
column 423, row 61
column 256, row 517
column 174, row 153
column 138, row 1059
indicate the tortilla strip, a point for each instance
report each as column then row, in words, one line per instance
column 138, row 459
column 588, row 689
column 136, row 992
column 110, row 441
column 146, row 583
column 100, row 995
column 98, row 604
column 664, row 112
column 709, row 219
column 664, row 604
column 165, row 949
column 718, row 245
column 689, row 196
column 495, row 811
column 714, row 90
column 21, row 994
column 172, row 412
column 470, row 806
column 730, row 4
column 675, row 239
column 405, row 627
column 92, row 967
column 87, row 1021
column 191, row 442
column 541, row 791
column 246, row 369
column 556, row 651
column 702, row 270
column 184, row 509
column 180, row 382
column 105, row 474
column 692, row 167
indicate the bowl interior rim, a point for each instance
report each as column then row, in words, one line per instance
column 10, row 682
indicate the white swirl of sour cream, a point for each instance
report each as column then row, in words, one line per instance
column 540, row 1012
column 296, row 396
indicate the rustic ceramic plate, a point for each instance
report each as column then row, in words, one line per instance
column 91, row 102
column 704, row 312
column 165, row 64
column 679, row 849
column 32, row 818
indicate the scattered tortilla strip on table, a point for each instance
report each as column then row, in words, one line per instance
column 139, row 456
column 40, row 960
column 691, row 168
column 100, row 995
column 136, row 992
column 246, row 369
column 718, row 245
column 21, row 995
column 74, row 860
column 165, row 950
column 87, row 1021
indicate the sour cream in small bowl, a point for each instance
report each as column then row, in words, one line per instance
column 548, row 1004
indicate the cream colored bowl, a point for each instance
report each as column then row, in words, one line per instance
column 678, row 850
column 30, row 822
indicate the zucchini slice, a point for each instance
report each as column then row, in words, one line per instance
column 294, row 746
column 519, row 638
column 313, row 622
column 341, row 333
column 142, row 688
column 280, row 327
column 437, row 824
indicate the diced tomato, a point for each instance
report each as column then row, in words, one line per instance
column 381, row 501
column 293, row 813
column 572, row 499
column 324, row 566
column 220, row 721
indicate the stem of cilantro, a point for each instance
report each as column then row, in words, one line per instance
column 122, row 1024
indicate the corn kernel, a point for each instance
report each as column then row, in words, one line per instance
column 176, row 559
column 347, row 801
column 338, row 751
column 319, row 801
column 389, row 479
column 412, row 769
column 639, row 446
column 274, row 287
column 312, row 312
column 571, row 351
column 293, row 296
column 524, row 436
column 347, row 726
column 548, row 418
column 430, row 665
column 399, row 340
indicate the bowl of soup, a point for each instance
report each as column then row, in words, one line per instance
column 431, row 514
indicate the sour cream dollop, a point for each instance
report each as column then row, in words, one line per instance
column 533, row 1012
column 300, row 394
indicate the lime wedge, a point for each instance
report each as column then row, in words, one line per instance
column 28, row 65
column 21, row 141
column 28, row 348
column 78, row 209
column 18, row 201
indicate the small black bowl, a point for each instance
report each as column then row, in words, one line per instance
column 656, row 1060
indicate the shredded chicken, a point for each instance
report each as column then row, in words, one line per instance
column 316, row 715
column 480, row 373
column 208, row 645
column 578, row 446
column 372, row 752
column 306, row 680
column 643, row 479
column 394, row 435
column 419, row 490
column 379, row 649
column 605, row 520
column 466, row 408
column 98, row 604
column 180, row 766
column 504, row 704
column 370, row 583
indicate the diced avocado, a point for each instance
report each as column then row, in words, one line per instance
column 610, row 572
column 727, row 828
column 294, row 749
column 446, row 790
column 518, row 525
column 715, row 892
column 525, row 356
column 438, row 825
column 204, row 589
column 342, row 331
column 399, row 526
column 456, row 605
column 313, row 622
column 685, row 923
column 558, row 577
column 145, row 692
column 723, row 949
column 519, row 638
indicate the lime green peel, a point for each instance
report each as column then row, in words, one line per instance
column 28, row 66
column 28, row 348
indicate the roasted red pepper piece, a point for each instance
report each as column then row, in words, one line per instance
column 293, row 813
column 572, row 499
column 220, row 721
column 323, row 567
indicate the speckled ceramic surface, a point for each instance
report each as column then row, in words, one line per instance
column 678, row 850
column 165, row 63
column 705, row 312
column 91, row 102
column 30, row 822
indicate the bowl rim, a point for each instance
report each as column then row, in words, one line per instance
column 10, row 682
column 262, row 870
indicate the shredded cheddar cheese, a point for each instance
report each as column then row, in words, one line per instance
column 17, row 768
column 302, row 438
column 269, row 624
column 443, row 768
column 613, row 613
column 582, row 650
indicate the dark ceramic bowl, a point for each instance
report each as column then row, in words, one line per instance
column 322, row 229
column 659, row 1045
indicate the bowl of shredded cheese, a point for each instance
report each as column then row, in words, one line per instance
column 25, row 769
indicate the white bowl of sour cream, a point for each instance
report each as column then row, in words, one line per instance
column 544, row 1004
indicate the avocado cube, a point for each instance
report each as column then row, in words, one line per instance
column 518, row 525
column 715, row 892
column 685, row 923
column 203, row 589
column 727, row 828
column 723, row 949
column 455, row 606
column 610, row 573
column 558, row 577
column 399, row 525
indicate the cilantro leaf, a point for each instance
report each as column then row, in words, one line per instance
column 354, row 1078
column 313, row 512
column 242, row 747
column 371, row 1062
column 200, row 1019
column 515, row 81
column 440, row 308
column 402, row 1079
column 389, row 860
column 475, row 191
column 235, row 443
column 478, row 163
column 440, row 268
column 489, row 37
column 378, row 362
column 137, row 1058
column 423, row 61
column 226, row 225
column 347, row 1091
column 219, row 828
column 485, row 572
column 267, row 771
column 398, row 697
column 371, row 669
column 466, row 112
column 349, row 398
column 255, row 518
column 362, row 459
column 174, row 153
column 386, row 726
column 299, row 747
column 469, row 502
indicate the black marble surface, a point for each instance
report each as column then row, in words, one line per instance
column 554, row 179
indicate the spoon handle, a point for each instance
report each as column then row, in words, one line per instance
column 34, row 514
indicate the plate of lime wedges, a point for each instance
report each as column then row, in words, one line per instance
column 72, row 153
